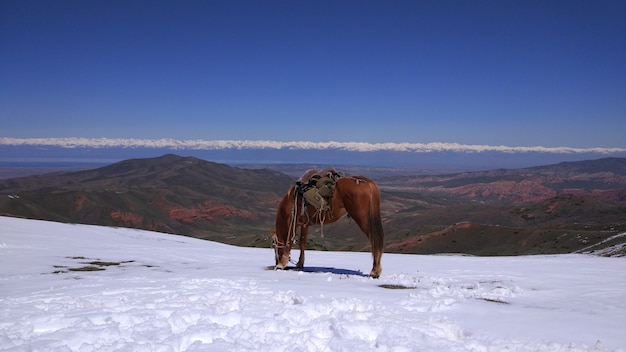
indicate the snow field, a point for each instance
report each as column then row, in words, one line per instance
column 169, row 293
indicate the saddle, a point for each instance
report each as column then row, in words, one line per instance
column 319, row 188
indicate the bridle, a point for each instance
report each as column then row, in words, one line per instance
column 277, row 244
column 291, row 235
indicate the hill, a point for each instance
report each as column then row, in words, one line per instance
column 170, row 194
column 561, row 208
column 603, row 179
column 558, row 208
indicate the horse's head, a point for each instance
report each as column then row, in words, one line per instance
column 285, row 229
column 282, row 248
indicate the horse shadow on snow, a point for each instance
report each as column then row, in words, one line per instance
column 322, row 269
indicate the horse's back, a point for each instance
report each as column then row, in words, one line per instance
column 355, row 193
column 355, row 186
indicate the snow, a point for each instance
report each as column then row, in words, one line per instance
column 161, row 292
column 617, row 250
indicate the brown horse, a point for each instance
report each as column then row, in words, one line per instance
column 357, row 196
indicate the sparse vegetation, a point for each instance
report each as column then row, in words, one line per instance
column 504, row 212
column 93, row 265
column 396, row 287
column 87, row 268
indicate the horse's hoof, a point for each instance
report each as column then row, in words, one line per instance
column 279, row 267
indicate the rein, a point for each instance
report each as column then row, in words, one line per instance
column 291, row 233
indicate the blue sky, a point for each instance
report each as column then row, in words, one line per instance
column 515, row 73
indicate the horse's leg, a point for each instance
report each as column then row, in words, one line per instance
column 377, row 251
column 377, row 269
column 304, row 230
column 369, row 221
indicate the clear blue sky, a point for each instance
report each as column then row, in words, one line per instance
column 517, row 73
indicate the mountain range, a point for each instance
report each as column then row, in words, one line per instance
column 559, row 208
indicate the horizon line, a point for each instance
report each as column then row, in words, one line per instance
column 199, row 144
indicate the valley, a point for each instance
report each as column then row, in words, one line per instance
column 559, row 208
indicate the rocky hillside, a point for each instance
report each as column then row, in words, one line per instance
column 557, row 208
column 602, row 179
column 169, row 194
column 560, row 208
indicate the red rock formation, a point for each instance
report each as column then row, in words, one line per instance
column 126, row 219
column 210, row 210
column 80, row 202
column 523, row 191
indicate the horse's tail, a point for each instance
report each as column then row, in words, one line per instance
column 375, row 223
